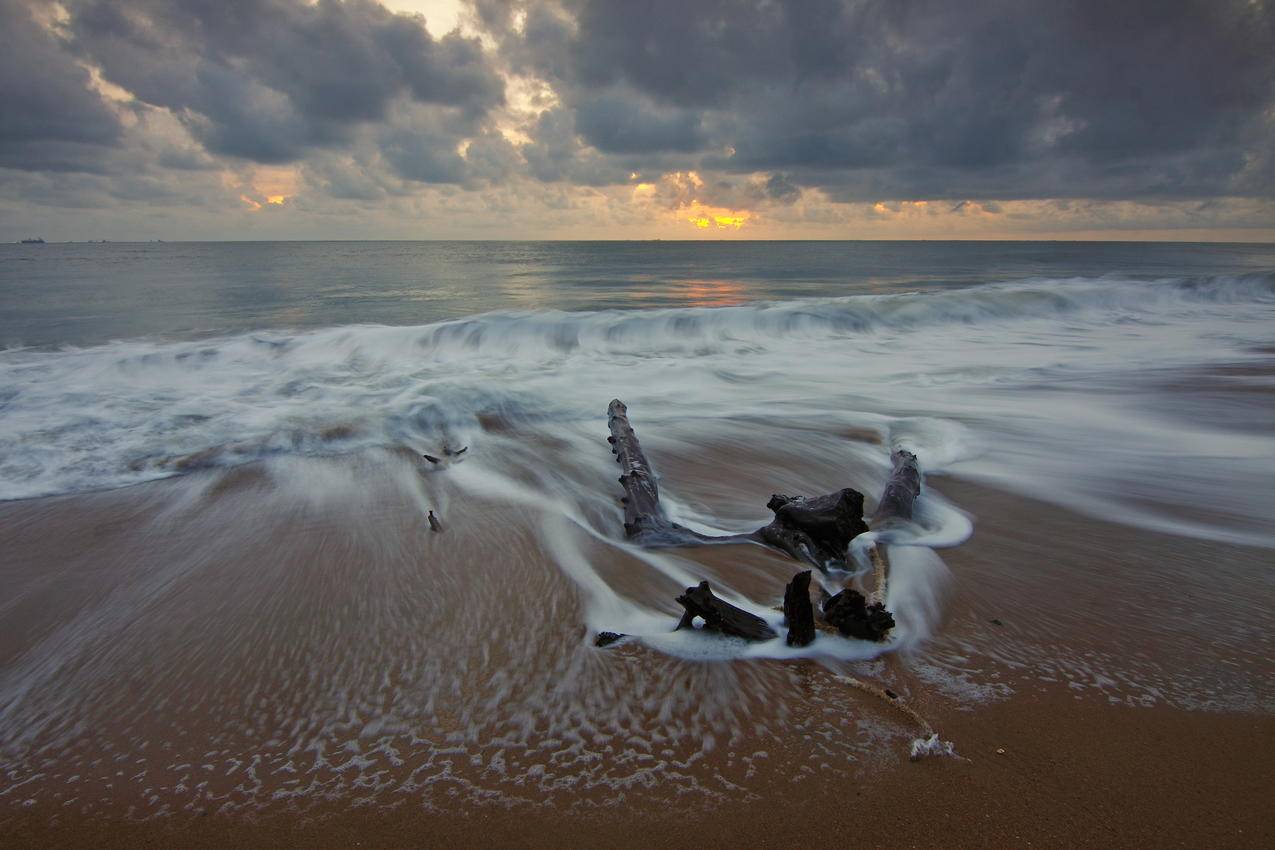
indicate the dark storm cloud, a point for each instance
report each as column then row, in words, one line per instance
column 269, row 80
column 50, row 116
column 895, row 98
column 620, row 122
column 865, row 100
column 557, row 154
column 778, row 187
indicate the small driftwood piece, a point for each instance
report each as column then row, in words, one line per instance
column 799, row 614
column 447, row 452
column 852, row 615
column 721, row 616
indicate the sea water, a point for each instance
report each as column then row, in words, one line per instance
column 1126, row 379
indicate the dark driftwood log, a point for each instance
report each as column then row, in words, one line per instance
column 644, row 519
column 721, row 616
column 815, row 529
column 798, row 612
column 854, row 617
column 900, row 491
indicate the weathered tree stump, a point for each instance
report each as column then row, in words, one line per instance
column 901, row 490
column 855, row 617
column 895, row 506
column 721, row 616
column 815, row 529
column 798, row 612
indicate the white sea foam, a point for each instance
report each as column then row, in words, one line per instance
column 1064, row 390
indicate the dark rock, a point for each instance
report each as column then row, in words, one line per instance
column 607, row 638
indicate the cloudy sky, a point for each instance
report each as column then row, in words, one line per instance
column 233, row 119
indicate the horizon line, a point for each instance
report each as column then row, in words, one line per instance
column 1269, row 241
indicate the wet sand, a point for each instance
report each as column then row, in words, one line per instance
column 1074, row 773
column 1128, row 682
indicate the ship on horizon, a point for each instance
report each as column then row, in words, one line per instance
column 36, row 241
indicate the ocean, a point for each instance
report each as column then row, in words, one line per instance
column 215, row 500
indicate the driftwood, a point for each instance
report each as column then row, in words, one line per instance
column 798, row 612
column 901, row 490
column 852, row 615
column 447, row 452
column 813, row 529
column 721, row 616
column 644, row 519
column 895, row 506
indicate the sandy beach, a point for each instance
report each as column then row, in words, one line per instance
column 1151, row 729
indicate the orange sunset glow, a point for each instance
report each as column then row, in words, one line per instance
column 719, row 218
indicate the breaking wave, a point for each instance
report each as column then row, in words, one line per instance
column 1067, row 381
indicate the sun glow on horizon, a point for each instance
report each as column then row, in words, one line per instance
column 719, row 218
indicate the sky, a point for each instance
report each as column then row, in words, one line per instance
column 685, row 119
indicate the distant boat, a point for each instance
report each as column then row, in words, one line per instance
column 36, row 241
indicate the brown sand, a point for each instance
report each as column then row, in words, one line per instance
column 1084, row 762
column 1074, row 773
